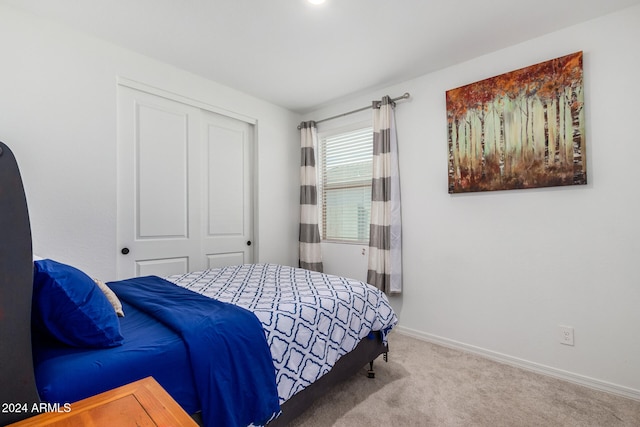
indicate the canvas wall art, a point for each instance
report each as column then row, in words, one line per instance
column 522, row 129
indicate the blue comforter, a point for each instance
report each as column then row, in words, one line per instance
column 230, row 358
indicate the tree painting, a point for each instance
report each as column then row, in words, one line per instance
column 523, row 129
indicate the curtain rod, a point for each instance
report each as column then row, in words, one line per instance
column 404, row 96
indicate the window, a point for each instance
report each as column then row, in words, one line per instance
column 345, row 185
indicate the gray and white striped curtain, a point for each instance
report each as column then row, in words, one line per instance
column 385, row 239
column 310, row 256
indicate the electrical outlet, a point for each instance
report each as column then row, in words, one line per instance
column 566, row 335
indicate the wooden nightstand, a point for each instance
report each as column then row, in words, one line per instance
column 142, row 403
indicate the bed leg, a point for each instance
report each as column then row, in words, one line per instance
column 370, row 372
column 385, row 356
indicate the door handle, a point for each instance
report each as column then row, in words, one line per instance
column 124, row 251
column 248, row 242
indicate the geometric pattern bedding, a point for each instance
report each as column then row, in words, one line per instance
column 310, row 319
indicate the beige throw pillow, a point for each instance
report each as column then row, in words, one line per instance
column 111, row 296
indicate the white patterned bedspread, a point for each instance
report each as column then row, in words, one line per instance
column 310, row 319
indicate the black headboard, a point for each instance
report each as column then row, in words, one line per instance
column 17, row 382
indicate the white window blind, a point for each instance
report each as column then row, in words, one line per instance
column 345, row 185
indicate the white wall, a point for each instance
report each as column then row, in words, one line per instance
column 58, row 115
column 498, row 272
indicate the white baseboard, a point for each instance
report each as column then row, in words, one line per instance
column 524, row 364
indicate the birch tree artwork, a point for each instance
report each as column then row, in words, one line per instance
column 522, row 129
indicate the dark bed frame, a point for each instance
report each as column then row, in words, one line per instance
column 16, row 278
column 17, row 381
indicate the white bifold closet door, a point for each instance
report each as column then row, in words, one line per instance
column 185, row 190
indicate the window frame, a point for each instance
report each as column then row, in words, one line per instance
column 322, row 135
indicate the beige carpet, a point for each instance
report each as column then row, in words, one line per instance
column 424, row 384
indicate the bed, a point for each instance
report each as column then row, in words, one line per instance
column 236, row 345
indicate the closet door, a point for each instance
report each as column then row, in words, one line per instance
column 227, row 235
column 178, row 184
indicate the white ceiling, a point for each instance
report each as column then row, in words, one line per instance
column 301, row 56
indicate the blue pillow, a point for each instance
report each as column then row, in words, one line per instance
column 70, row 307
